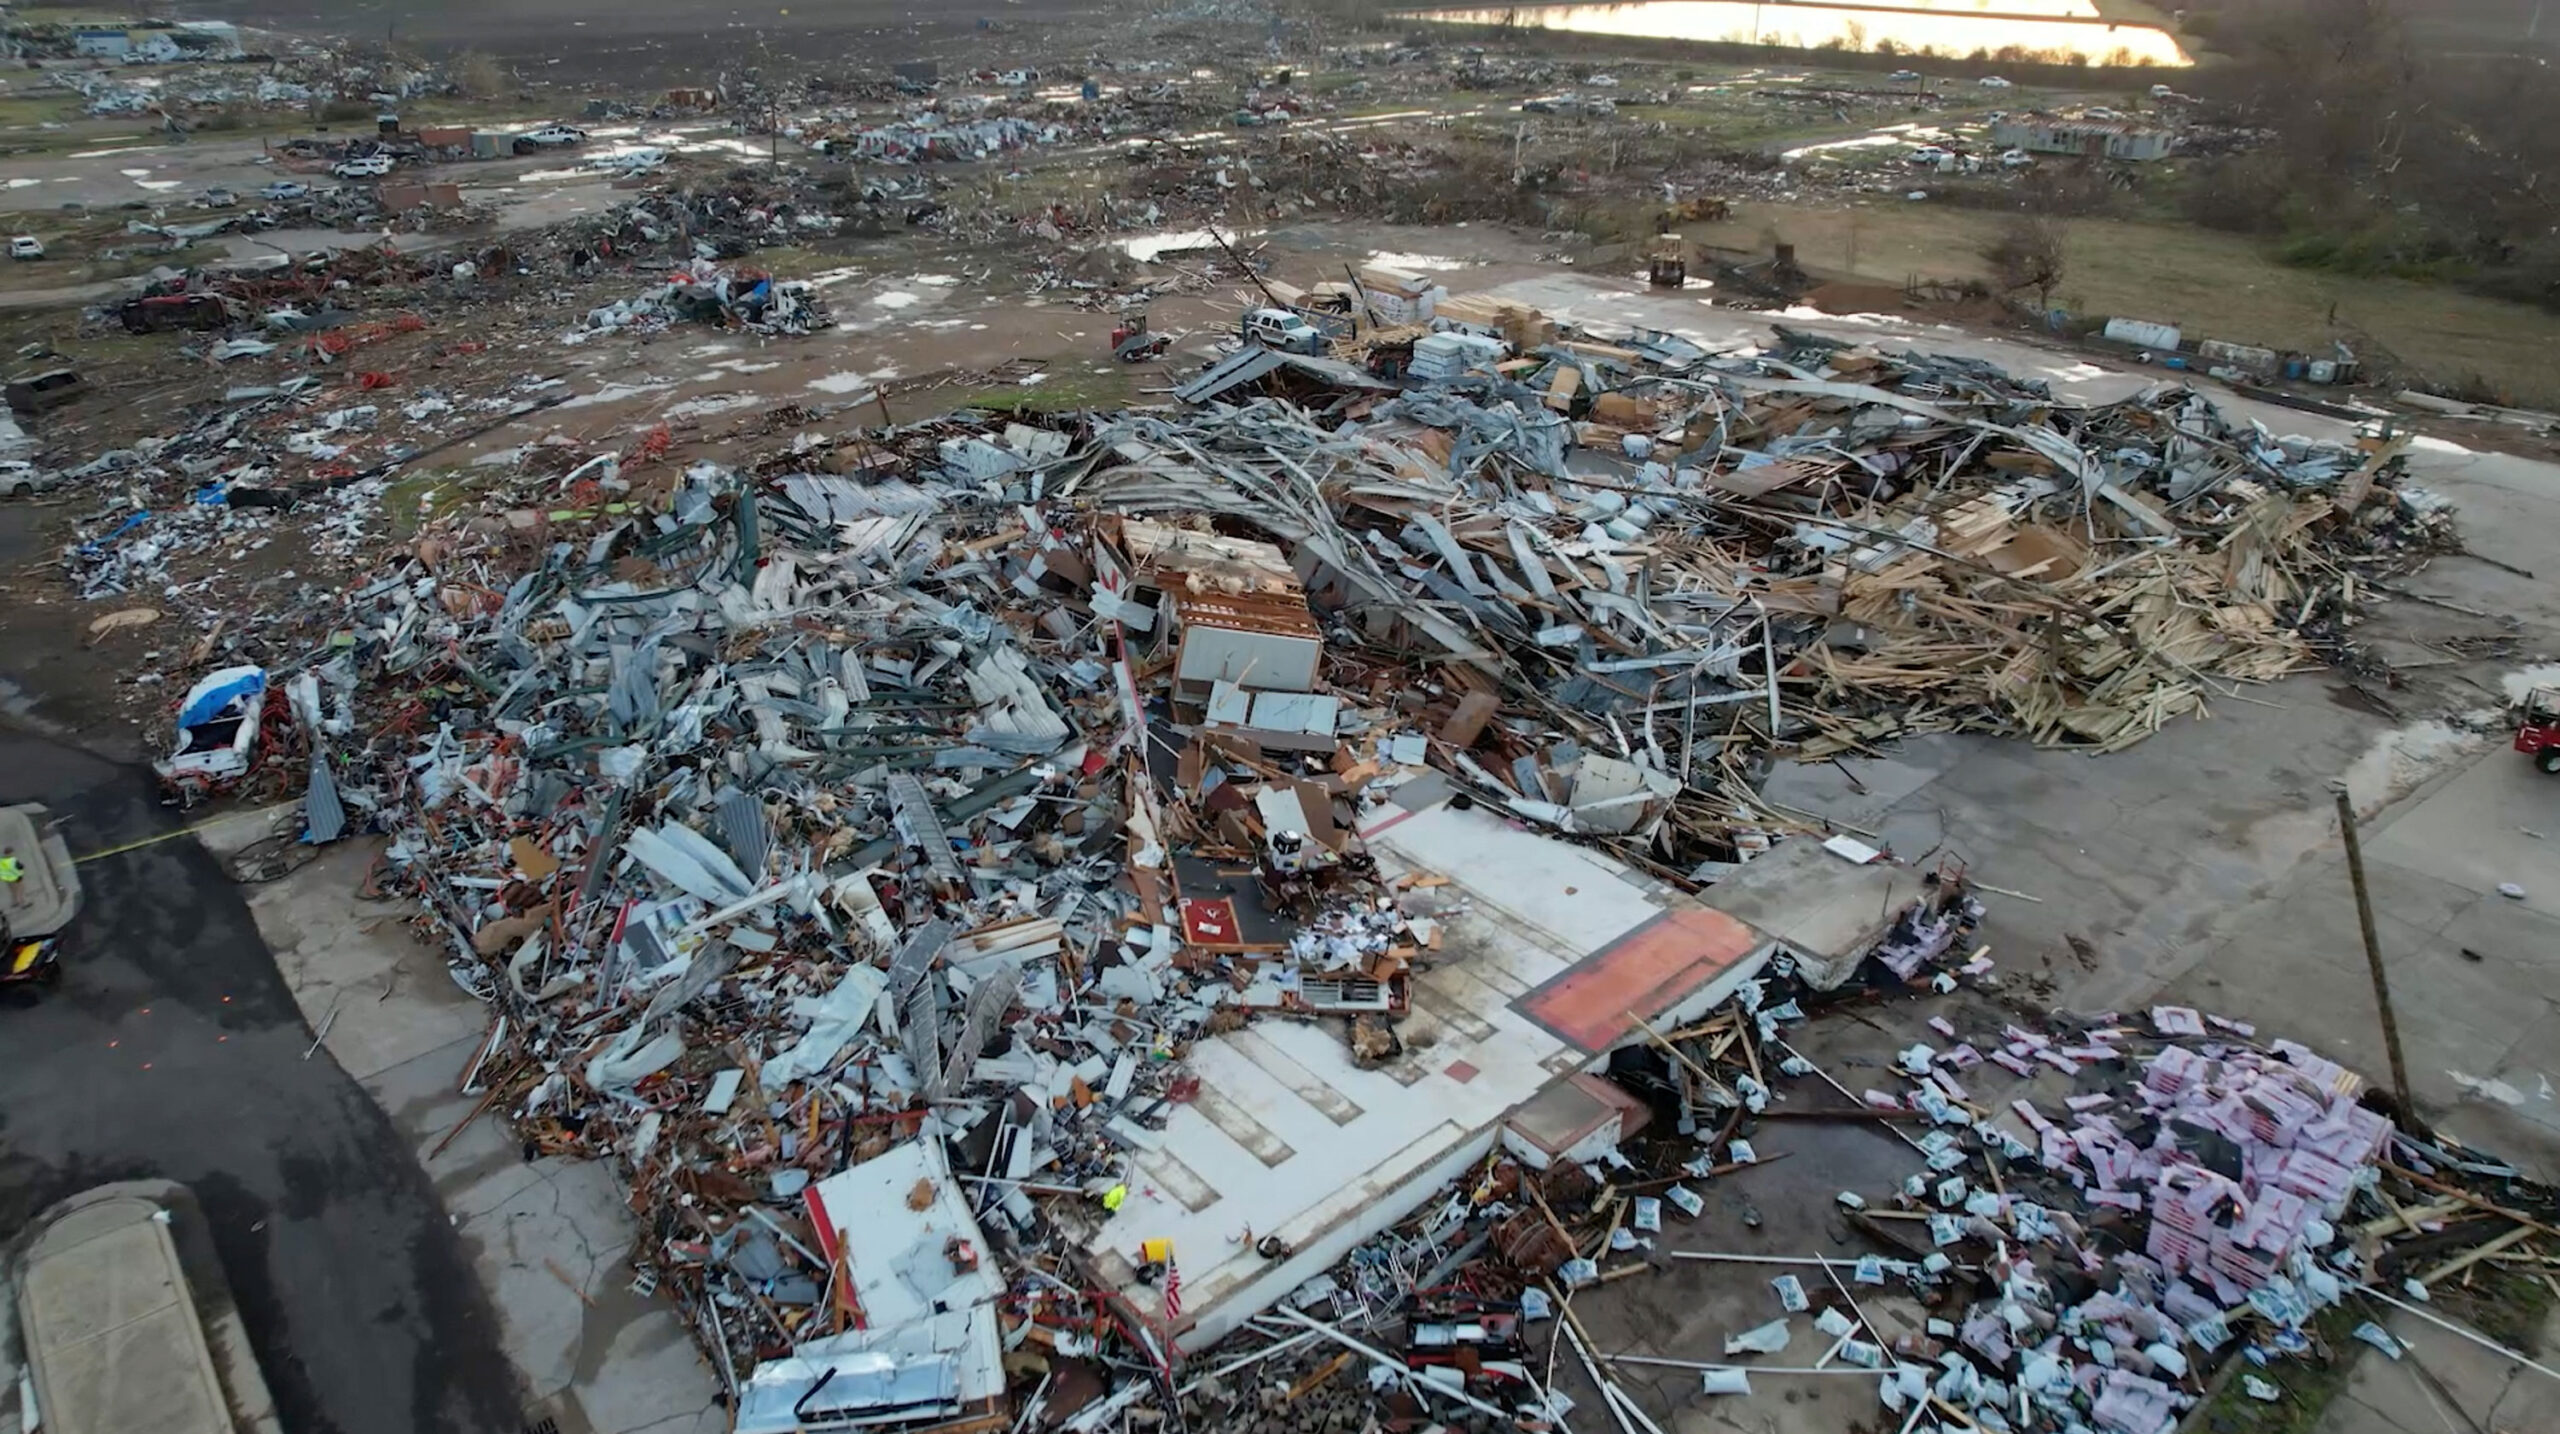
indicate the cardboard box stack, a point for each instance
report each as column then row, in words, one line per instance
column 2299, row 1138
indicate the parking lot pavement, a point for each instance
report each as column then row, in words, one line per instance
column 173, row 1050
column 549, row 1239
column 2474, row 974
column 151, row 170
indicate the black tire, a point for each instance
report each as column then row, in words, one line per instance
column 23, row 490
column 2548, row 759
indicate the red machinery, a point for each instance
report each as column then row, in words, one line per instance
column 2538, row 729
column 1131, row 342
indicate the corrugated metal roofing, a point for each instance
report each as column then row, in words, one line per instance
column 1243, row 366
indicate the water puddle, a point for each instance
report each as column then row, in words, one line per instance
column 619, row 392
column 2050, row 30
column 1146, row 248
column 1390, row 259
column 1889, row 135
column 706, row 407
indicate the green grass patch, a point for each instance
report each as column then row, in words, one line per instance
column 2214, row 285
column 83, row 250
column 2509, row 1306
column 1065, row 390
column 411, row 500
column 85, row 132
column 23, row 110
column 2308, row 1387
column 17, row 278
column 73, row 15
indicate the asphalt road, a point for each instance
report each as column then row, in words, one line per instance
column 173, row 1050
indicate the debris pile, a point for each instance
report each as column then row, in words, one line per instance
column 822, row 810
column 889, row 812
column 704, row 292
column 2202, row 1198
column 926, row 137
column 782, row 829
column 1816, row 552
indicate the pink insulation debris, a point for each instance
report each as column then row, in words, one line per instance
column 2177, row 1021
column 2300, row 1138
column 2127, row 1403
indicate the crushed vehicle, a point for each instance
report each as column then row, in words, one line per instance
column 51, row 388
column 22, row 479
column 220, row 722
column 162, row 313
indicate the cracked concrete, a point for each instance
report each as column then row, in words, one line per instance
column 550, row 1239
column 2442, row 1384
column 2473, row 980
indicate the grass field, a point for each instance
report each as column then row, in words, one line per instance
column 1070, row 386
column 80, row 251
column 73, row 15
column 17, row 110
column 2211, row 285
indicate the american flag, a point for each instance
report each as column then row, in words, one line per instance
column 1172, row 1291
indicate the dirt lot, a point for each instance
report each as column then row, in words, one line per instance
column 2215, row 284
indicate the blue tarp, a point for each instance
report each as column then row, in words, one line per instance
column 212, row 697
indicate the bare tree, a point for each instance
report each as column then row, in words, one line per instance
column 2029, row 253
column 478, row 74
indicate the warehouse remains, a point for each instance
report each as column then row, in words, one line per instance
column 1025, row 903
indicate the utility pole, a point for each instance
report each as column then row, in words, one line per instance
column 2373, row 960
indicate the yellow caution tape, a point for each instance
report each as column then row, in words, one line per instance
column 146, row 841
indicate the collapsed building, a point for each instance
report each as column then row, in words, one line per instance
column 1014, row 895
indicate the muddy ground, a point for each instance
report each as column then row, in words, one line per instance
column 922, row 328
